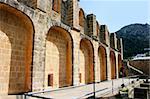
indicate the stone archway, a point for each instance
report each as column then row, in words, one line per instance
column 119, row 63
column 103, row 63
column 113, row 64
column 16, row 39
column 58, row 65
column 86, row 62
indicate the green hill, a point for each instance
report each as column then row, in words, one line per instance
column 136, row 37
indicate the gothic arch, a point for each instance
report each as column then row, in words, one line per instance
column 113, row 64
column 16, row 44
column 86, row 56
column 103, row 63
column 58, row 64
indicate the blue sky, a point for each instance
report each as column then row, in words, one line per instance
column 118, row 13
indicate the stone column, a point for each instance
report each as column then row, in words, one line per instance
column 39, row 53
column 117, row 75
column 121, row 45
column 76, row 50
column 96, row 61
column 91, row 23
column 73, row 13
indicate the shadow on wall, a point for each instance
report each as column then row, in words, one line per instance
column 113, row 64
column 59, row 50
column 86, row 48
column 103, row 63
column 17, row 36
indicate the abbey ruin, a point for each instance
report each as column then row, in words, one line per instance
column 53, row 44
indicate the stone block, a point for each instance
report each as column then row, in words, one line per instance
column 141, row 93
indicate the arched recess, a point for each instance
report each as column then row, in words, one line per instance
column 86, row 62
column 16, row 42
column 103, row 63
column 58, row 65
column 81, row 17
column 113, row 64
column 119, row 63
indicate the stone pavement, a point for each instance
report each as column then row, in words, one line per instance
column 105, row 88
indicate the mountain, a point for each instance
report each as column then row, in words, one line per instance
column 135, row 37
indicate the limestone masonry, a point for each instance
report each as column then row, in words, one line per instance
column 50, row 44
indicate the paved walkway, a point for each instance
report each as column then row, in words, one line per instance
column 102, row 89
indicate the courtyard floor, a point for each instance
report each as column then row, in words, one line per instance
column 102, row 89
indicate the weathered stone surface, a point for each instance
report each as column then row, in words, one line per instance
column 36, row 41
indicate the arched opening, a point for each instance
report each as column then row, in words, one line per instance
column 16, row 38
column 119, row 65
column 58, row 65
column 103, row 63
column 113, row 64
column 56, row 5
column 81, row 17
column 86, row 62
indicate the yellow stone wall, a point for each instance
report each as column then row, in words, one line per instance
column 34, row 44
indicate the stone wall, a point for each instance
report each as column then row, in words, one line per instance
column 91, row 24
column 143, row 65
column 37, row 41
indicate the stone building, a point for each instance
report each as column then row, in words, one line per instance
column 53, row 44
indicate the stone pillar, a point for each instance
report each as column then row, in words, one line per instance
column 38, row 70
column 115, row 40
column 96, row 61
column 121, row 45
column 117, row 75
column 73, row 13
column 108, row 64
column 104, row 35
column 76, row 61
column 112, row 40
column 107, row 35
column 118, row 44
column 91, row 24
